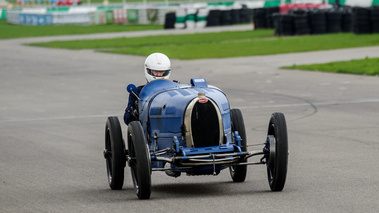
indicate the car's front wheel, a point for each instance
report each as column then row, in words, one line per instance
column 139, row 160
column 278, row 157
column 238, row 173
column 114, row 153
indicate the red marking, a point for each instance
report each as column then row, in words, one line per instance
column 203, row 100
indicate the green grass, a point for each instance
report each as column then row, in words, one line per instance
column 207, row 45
column 159, row 41
column 129, row 1
column 21, row 31
column 220, row 45
column 367, row 66
column 86, row 2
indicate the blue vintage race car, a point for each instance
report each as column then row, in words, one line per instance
column 189, row 128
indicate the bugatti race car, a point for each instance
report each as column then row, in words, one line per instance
column 190, row 129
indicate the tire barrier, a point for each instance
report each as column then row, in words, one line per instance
column 333, row 21
column 317, row 21
column 170, row 20
column 301, row 23
column 375, row 19
column 235, row 14
column 347, row 21
column 259, row 18
column 210, row 16
column 226, row 17
column 191, row 18
column 262, row 17
column 213, row 18
column 245, row 14
column 284, row 24
column 201, row 17
column 361, row 20
column 286, row 8
column 180, row 19
column 358, row 20
column 269, row 19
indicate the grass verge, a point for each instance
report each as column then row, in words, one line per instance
column 220, row 45
column 367, row 66
column 22, row 31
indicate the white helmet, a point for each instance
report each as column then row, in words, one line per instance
column 158, row 62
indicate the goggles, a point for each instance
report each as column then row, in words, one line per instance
column 165, row 72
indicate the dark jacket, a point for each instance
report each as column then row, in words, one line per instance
column 131, row 111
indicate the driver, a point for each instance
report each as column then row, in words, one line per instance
column 157, row 66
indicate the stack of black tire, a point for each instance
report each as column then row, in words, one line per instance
column 213, row 18
column 297, row 22
column 347, row 20
column 245, row 14
column 229, row 17
column 317, row 21
column 283, row 24
column 314, row 21
column 375, row 19
column 301, row 22
column 235, row 14
column 361, row 20
column 169, row 20
column 262, row 17
column 259, row 17
column 269, row 18
column 333, row 21
column 226, row 17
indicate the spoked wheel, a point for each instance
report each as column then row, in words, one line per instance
column 278, row 157
column 114, row 153
column 238, row 173
column 139, row 160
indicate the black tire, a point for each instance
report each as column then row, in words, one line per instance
column 140, row 161
column 226, row 17
column 235, row 16
column 114, row 153
column 169, row 20
column 347, row 22
column 238, row 173
column 277, row 172
column 213, row 18
column 245, row 14
column 287, row 24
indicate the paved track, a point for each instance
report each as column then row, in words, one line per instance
column 54, row 104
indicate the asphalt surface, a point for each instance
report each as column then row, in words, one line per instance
column 54, row 104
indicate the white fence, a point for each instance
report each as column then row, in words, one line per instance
column 88, row 16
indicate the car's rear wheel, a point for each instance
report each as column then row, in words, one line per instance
column 114, row 153
column 139, row 160
column 238, row 173
column 277, row 161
